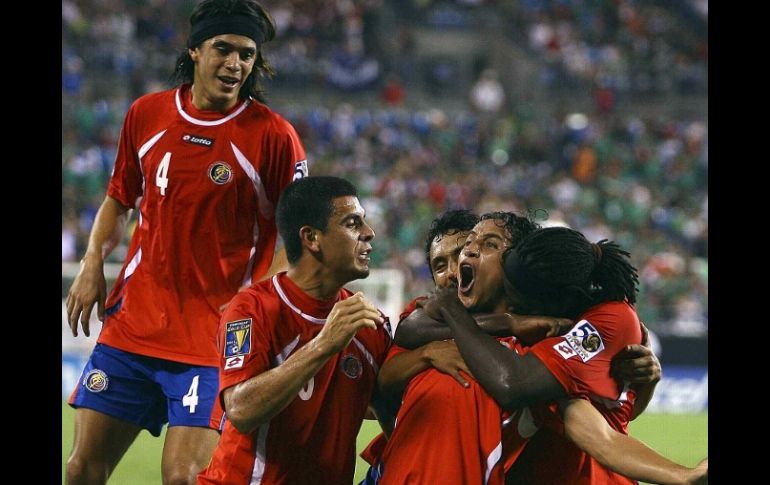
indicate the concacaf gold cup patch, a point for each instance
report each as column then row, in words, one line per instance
column 237, row 342
column 583, row 341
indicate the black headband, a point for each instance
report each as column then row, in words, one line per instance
column 227, row 24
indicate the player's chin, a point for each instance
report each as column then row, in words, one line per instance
column 362, row 270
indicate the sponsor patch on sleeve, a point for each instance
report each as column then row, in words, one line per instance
column 583, row 341
column 237, row 340
column 234, row 362
column 300, row 170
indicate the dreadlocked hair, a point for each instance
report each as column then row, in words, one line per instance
column 459, row 220
column 517, row 226
column 573, row 273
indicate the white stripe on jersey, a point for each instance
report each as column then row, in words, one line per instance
column 368, row 355
column 259, row 458
column 280, row 358
column 196, row 121
column 149, row 144
column 492, row 460
column 285, row 299
column 265, row 206
column 131, row 267
column 141, row 153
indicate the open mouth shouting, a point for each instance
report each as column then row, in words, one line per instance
column 467, row 276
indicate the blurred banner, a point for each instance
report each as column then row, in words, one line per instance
column 683, row 389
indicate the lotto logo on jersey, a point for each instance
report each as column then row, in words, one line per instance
column 237, row 338
column 583, row 340
column 300, row 170
column 198, row 140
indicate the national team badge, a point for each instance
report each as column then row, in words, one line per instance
column 220, row 173
column 351, row 366
column 237, row 338
column 96, row 381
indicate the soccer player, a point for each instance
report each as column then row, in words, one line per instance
column 299, row 354
column 464, row 423
column 204, row 164
column 557, row 271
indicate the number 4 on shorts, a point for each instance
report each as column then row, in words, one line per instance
column 191, row 398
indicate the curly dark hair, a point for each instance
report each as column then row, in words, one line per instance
column 517, row 226
column 450, row 222
column 185, row 67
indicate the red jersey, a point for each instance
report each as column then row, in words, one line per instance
column 372, row 454
column 518, row 427
column 580, row 361
column 313, row 439
column 445, row 433
column 206, row 186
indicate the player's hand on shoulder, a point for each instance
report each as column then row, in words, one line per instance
column 636, row 364
column 346, row 318
column 88, row 289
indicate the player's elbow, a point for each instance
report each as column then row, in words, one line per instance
column 239, row 412
column 506, row 394
column 241, row 420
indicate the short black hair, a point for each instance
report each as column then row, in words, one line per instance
column 308, row 202
column 451, row 221
column 184, row 69
column 565, row 274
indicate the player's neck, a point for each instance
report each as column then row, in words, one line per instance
column 314, row 281
column 201, row 102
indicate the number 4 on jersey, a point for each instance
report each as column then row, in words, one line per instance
column 191, row 398
column 161, row 176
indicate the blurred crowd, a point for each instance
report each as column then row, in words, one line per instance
column 641, row 181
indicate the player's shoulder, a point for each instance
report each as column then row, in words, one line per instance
column 277, row 123
column 611, row 311
column 411, row 307
column 616, row 320
column 151, row 101
column 257, row 296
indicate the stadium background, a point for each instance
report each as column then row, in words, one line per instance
column 595, row 111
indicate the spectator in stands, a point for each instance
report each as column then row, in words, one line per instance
column 204, row 164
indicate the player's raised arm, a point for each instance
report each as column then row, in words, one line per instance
column 90, row 287
column 259, row 399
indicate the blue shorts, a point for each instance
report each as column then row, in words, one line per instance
column 147, row 391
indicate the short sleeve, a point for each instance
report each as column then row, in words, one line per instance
column 125, row 184
column 287, row 160
column 243, row 341
column 580, row 359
